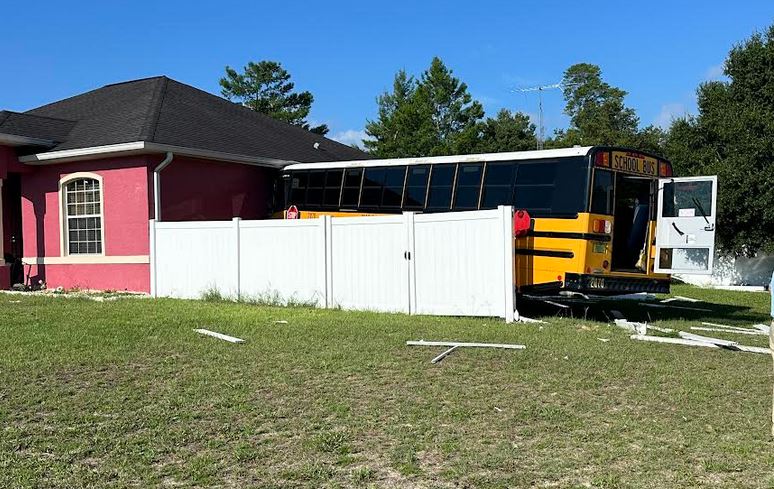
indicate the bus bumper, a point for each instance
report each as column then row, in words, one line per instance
column 596, row 284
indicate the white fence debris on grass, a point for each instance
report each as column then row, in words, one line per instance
column 220, row 336
column 453, row 345
column 459, row 263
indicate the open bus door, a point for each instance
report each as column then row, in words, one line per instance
column 685, row 225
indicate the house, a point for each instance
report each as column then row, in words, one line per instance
column 80, row 178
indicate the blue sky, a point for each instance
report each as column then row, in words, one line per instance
column 346, row 53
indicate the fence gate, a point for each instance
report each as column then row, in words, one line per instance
column 368, row 263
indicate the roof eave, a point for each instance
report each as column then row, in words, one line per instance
column 140, row 147
column 16, row 140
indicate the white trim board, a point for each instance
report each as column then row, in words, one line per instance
column 87, row 260
column 140, row 147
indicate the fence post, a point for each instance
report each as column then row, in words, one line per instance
column 152, row 244
column 236, row 221
column 327, row 249
column 411, row 248
column 506, row 218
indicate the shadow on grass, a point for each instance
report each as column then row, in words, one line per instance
column 599, row 309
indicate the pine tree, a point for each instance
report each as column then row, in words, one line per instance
column 265, row 87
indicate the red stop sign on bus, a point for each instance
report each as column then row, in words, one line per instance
column 522, row 222
column 292, row 212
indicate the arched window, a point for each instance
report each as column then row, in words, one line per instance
column 82, row 212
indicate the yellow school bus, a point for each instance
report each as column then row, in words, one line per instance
column 592, row 209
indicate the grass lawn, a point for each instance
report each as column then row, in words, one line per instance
column 124, row 393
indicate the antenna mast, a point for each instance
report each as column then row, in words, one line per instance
column 539, row 89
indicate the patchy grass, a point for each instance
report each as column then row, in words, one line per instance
column 124, row 393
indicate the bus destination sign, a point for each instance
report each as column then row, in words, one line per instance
column 634, row 163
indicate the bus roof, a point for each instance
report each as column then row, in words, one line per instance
column 515, row 155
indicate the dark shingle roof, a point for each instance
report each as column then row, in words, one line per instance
column 33, row 126
column 165, row 111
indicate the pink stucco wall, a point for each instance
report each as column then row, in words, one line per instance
column 192, row 189
column 125, row 209
column 125, row 206
column 198, row 190
column 133, row 277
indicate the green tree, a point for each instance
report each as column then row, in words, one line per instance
column 454, row 113
column 733, row 137
column 598, row 114
column 432, row 116
column 507, row 132
column 265, row 87
column 401, row 129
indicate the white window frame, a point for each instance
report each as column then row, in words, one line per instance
column 63, row 217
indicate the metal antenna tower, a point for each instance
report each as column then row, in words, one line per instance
column 539, row 89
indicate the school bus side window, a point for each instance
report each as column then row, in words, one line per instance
column 416, row 187
column 534, row 189
column 602, row 193
column 468, row 186
column 314, row 189
column 393, row 187
column 440, row 192
column 351, row 191
column 498, row 185
column 298, row 181
column 373, row 180
column 332, row 188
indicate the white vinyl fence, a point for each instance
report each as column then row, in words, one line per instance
column 457, row 263
column 755, row 271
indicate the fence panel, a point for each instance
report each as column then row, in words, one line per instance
column 459, row 264
column 367, row 264
column 191, row 258
column 283, row 260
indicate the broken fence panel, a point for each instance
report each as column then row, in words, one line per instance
column 731, row 345
column 754, row 332
column 457, row 343
column 634, row 327
column 707, row 339
column 672, row 341
column 220, row 336
column 755, row 349
column 679, row 298
column 444, row 354
column 762, row 327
